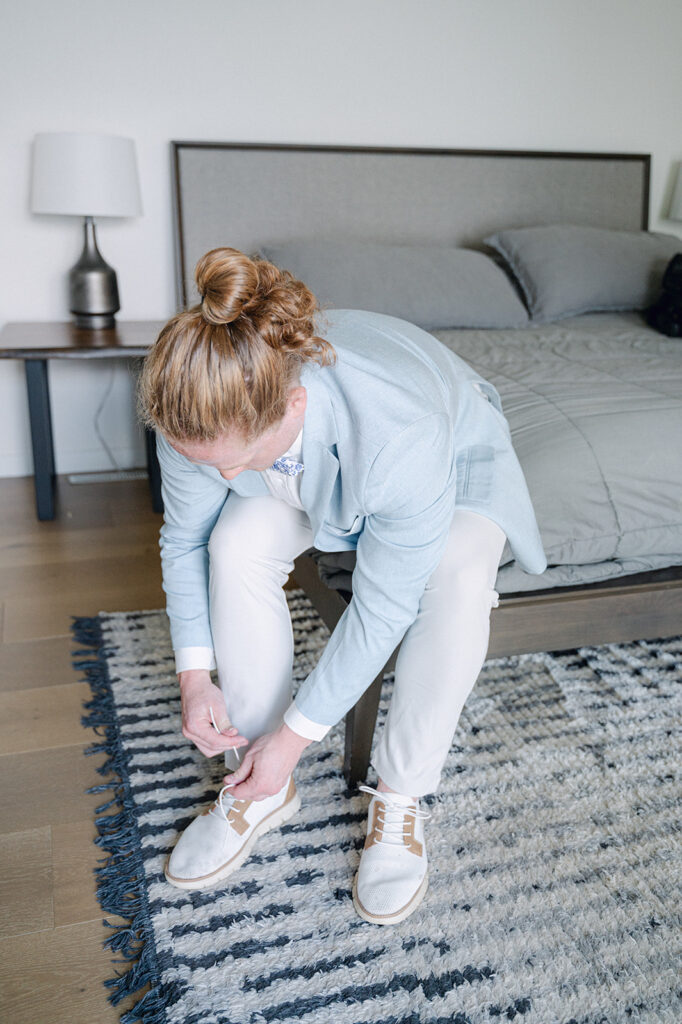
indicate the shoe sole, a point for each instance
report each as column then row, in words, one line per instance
column 399, row 915
column 273, row 820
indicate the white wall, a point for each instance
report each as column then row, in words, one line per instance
column 529, row 74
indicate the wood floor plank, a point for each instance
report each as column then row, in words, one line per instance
column 56, row 977
column 38, row 663
column 67, row 579
column 99, row 553
column 48, row 788
column 26, row 881
column 134, row 505
column 74, row 859
column 34, row 547
column 74, row 510
column 30, row 618
column 45, row 716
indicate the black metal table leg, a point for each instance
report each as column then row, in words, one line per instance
column 154, row 470
column 41, row 435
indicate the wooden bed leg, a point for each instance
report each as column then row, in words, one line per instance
column 360, row 722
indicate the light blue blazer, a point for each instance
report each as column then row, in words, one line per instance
column 397, row 433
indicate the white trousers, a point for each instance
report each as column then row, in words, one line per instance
column 251, row 553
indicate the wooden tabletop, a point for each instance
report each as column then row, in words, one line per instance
column 63, row 340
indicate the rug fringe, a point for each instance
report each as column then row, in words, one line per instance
column 120, row 886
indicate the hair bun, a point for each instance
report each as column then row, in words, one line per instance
column 227, row 280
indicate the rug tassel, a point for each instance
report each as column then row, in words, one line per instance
column 119, row 892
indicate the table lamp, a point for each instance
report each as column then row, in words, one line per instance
column 87, row 175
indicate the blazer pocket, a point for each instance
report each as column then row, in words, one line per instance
column 475, row 472
column 345, row 531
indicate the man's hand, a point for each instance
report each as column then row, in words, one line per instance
column 198, row 694
column 267, row 764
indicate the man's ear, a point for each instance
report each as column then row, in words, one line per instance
column 297, row 401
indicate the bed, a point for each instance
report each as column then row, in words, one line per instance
column 593, row 400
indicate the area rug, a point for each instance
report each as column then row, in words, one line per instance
column 553, row 844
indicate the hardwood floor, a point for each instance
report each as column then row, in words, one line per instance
column 99, row 554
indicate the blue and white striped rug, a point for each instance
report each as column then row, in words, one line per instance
column 553, row 844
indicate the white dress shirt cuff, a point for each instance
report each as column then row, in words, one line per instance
column 304, row 726
column 187, row 658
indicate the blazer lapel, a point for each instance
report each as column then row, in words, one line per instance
column 319, row 449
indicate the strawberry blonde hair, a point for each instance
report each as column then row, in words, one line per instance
column 229, row 362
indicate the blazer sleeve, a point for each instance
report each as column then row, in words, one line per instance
column 192, row 503
column 410, row 497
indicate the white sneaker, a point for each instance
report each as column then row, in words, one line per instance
column 220, row 839
column 392, row 877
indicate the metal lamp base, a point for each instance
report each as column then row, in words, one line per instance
column 94, row 321
column 93, row 289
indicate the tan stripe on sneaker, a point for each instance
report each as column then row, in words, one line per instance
column 377, row 828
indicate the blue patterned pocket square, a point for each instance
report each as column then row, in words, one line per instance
column 288, row 466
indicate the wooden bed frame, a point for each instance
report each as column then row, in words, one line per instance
column 439, row 196
column 637, row 607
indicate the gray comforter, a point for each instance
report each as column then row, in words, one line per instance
column 595, row 409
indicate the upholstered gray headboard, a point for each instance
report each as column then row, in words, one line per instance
column 246, row 195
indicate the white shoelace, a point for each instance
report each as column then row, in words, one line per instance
column 218, row 808
column 392, row 827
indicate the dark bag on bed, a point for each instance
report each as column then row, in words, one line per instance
column 666, row 314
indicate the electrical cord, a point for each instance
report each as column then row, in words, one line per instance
column 97, row 416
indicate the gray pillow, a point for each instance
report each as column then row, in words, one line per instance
column 432, row 286
column 567, row 269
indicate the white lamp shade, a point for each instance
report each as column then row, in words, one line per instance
column 675, row 212
column 85, row 175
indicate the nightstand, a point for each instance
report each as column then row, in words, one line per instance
column 36, row 344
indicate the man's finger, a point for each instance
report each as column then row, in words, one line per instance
column 204, row 732
column 224, row 724
column 213, row 744
column 194, row 730
column 220, row 722
column 247, row 790
column 241, row 773
column 228, row 742
column 207, row 751
column 200, row 739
